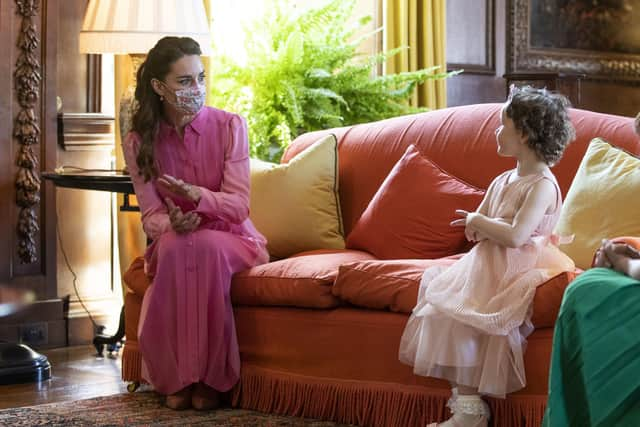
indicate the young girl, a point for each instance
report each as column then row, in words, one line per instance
column 471, row 319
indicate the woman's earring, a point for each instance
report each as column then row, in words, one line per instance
column 161, row 98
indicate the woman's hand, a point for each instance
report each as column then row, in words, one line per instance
column 180, row 188
column 614, row 255
column 182, row 222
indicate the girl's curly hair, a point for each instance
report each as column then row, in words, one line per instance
column 543, row 117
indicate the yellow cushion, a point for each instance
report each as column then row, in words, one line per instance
column 295, row 205
column 602, row 201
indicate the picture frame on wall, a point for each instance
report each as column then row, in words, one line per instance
column 600, row 39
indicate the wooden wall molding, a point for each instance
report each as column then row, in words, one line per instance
column 86, row 131
column 26, row 130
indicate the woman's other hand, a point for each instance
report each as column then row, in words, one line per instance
column 616, row 255
column 180, row 188
column 182, row 222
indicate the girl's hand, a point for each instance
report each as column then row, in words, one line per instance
column 471, row 234
column 180, row 188
column 182, row 222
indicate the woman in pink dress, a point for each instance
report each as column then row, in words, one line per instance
column 190, row 169
column 471, row 320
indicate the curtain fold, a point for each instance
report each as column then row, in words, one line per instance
column 420, row 26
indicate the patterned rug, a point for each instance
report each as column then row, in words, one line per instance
column 142, row 409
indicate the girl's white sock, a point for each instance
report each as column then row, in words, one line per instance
column 468, row 411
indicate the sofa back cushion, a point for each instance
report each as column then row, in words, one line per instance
column 460, row 140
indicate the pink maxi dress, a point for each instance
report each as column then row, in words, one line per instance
column 472, row 318
column 187, row 331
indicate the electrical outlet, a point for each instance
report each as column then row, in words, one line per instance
column 34, row 333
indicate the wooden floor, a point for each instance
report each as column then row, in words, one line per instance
column 75, row 374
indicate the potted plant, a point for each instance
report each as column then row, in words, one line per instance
column 303, row 73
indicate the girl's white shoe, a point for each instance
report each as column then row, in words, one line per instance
column 467, row 410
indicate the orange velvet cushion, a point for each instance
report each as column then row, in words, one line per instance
column 135, row 278
column 409, row 216
column 384, row 284
column 301, row 281
column 394, row 284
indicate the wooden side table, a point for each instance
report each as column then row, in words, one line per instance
column 568, row 84
column 114, row 182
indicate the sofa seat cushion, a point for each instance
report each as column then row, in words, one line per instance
column 393, row 285
column 384, row 284
column 303, row 280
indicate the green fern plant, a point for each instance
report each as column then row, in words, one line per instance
column 304, row 73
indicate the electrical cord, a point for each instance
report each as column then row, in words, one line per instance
column 73, row 273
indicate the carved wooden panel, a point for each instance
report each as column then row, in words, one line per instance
column 27, row 130
column 471, row 36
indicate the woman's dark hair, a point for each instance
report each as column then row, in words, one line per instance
column 543, row 117
column 146, row 117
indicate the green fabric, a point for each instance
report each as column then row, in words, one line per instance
column 595, row 365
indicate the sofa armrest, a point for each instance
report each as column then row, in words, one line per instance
column 634, row 242
column 135, row 277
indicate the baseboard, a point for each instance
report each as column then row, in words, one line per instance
column 104, row 312
column 81, row 330
column 41, row 325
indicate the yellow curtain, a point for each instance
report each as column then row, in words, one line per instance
column 420, row 26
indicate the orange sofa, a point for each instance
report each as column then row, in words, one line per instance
column 305, row 351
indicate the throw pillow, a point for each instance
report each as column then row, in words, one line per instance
column 295, row 205
column 409, row 216
column 602, row 201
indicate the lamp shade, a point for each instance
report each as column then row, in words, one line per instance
column 134, row 26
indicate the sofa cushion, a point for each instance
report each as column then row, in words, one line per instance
column 410, row 215
column 384, row 284
column 394, row 284
column 303, row 280
column 602, row 201
column 296, row 205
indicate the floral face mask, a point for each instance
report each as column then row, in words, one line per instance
column 189, row 101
